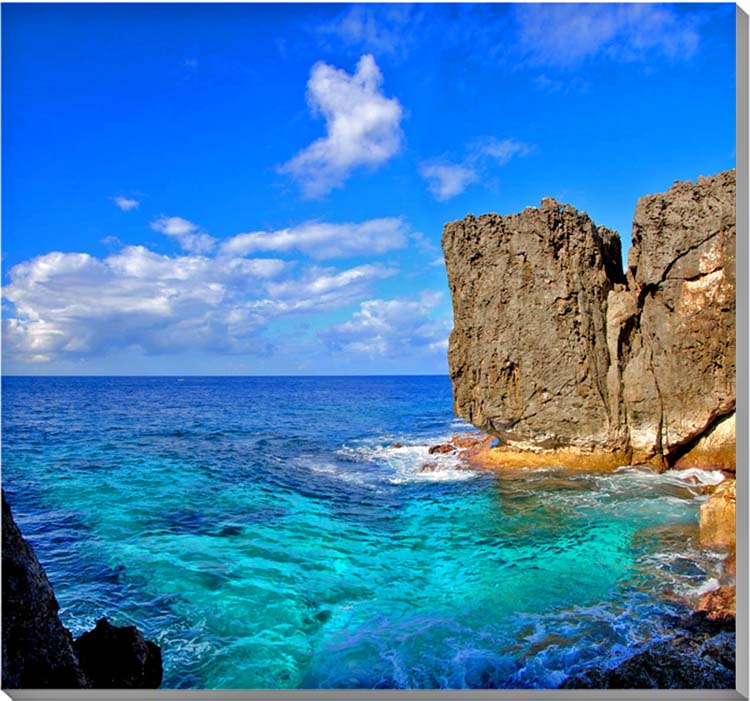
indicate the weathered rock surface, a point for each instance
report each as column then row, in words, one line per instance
column 679, row 373
column 39, row 652
column 528, row 352
column 560, row 355
column 701, row 655
column 37, row 649
column 718, row 516
column 714, row 450
column 119, row 658
column 719, row 604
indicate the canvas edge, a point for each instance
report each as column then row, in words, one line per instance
column 742, row 126
column 743, row 388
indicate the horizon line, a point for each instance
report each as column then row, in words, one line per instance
column 185, row 375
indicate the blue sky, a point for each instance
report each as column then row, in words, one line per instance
column 261, row 189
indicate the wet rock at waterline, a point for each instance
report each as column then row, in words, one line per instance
column 719, row 604
column 677, row 663
column 718, row 516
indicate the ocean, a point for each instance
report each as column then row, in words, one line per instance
column 267, row 534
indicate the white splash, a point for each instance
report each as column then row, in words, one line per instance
column 407, row 463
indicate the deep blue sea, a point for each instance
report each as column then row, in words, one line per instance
column 266, row 534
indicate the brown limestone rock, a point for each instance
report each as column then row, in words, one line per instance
column 679, row 366
column 558, row 354
column 718, row 517
column 715, row 450
column 528, row 354
column 720, row 604
column 441, row 448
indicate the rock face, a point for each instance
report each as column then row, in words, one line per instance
column 528, row 353
column 555, row 349
column 678, row 367
column 37, row 649
column 39, row 652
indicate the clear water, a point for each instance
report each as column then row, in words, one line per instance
column 265, row 533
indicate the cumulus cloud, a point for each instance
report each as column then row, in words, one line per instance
column 126, row 203
column 187, row 234
column 321, row 240
column 393, row 327
column 446, row 180
column 72, row 305
column 565, row 35
column 363, row 127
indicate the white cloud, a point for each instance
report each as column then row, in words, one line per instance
column 362, row 126
column 565, row 35
column 126, row 203
column 326, row 288
column 394, row 327
column 503, row 151
column 322, row 240
column 446, row 180
column 73, row 305
column 188, row 235
column 386, row 29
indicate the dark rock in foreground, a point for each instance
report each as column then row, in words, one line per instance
column 677, row 663
column 703, row 657
column 37, row 649
column 119, row 658
column 39, row 652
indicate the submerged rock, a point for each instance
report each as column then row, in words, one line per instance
column 119, row 658
column 560, row 355
column 39, row 652
column 429, row 467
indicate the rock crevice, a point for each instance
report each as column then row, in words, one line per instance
column 554, row 347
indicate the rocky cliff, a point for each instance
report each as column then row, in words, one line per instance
column 37, row 648
column 566, row 359
column 39, row 652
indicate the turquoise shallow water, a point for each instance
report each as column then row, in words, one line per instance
column 266, row 533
